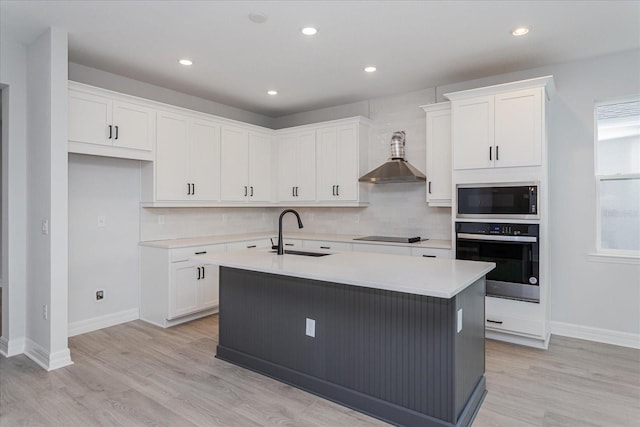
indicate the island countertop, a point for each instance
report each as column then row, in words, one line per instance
column 435, row 277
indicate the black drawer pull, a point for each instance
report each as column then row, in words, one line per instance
column 325, row 247
column 251, row 246
column 200, row 253
column 429, row 256
column 499, row 322
column 289, row 244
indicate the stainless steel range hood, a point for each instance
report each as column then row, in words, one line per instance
column 397, row 169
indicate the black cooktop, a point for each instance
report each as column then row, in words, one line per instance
column 391, row 239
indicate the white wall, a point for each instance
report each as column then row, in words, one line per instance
column 105, row 80
column 13, row 78
column 106, row 257
column 47, row 200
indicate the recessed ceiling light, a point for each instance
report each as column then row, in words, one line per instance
column 186, row 62
column 370, row 69
column 272, row 92
column 520, row 31
column 258, row 17
column 309, row 31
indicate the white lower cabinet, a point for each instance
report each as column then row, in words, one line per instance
column 175, row 289
column 516, row 321
column 432, row 252
column 381, row 249
column 327, row 245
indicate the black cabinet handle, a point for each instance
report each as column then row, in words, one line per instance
column 337, row 190
column 490, row 148
column 293, row 191
column 188, row 189
column 334, row 190
column 245, row 191
column 251, row 246
column 110, row 131
column 203, row 270
column 497, row 152
column 499, row 322
column 325, row 247
column 200, row 253
column 429, row 187
column 251, row 195
column 193, row 189
column 289, row 244
column 116, row 132
column 296, row 190
column 198, row 273
column 429, row 256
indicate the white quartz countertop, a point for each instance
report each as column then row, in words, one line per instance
column 346, row 238
column 436, row 277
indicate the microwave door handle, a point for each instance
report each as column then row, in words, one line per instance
column 519, row 239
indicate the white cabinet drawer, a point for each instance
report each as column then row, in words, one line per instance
column 326, row 245
column 431, row 252
column 183, row 254
column 249, row 244
column 514, row 325
column 382, row 249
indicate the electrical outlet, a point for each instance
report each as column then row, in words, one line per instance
column 45, row 226
column 459, row 320
column 99, row 295
column 311, row 328
column 45, row 312
column 102, row 221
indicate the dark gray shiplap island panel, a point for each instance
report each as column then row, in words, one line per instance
column 393, row 355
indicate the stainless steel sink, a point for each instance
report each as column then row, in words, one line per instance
column 304, row 253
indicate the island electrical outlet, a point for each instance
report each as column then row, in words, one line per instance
column 311, row 328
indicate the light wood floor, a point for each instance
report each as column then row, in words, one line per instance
column 137, row 374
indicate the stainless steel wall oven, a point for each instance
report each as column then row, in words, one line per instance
column 515, row 250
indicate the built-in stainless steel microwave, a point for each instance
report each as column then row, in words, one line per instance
column 498, row 201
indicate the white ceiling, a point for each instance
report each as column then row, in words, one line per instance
column 414, row 44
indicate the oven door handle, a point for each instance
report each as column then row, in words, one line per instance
column 523, row 239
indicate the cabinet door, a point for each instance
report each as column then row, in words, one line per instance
column 133, row 126
column 89, row 118
column 473, row 133
column 204, row 170
column 234, row 163
column 327, row 149
column 439, row 157
column 184, row 294
column 287, row 167
column 347, row 163
column 518, row 128
column 172, row 157
column 306, row 166
column 260, row 156
column 209, row 287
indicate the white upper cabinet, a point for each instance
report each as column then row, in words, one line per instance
column 245, row 172
column 337, row 160
column 297, row 167
column 438, row 154
column 499, row 126
column 187, row 158
column 518, row 128
column 108, row 124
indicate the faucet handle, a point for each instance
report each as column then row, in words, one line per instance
column 272, row 245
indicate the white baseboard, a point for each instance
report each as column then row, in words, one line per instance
column 46, row 360
column 101, row 322
column 9, row 348
column 518, row 339
column 607, row 336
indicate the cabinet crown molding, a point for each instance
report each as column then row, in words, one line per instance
column 545, row 82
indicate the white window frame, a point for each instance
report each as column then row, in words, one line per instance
column 601, row 254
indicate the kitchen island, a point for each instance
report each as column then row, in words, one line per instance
column 399, row 338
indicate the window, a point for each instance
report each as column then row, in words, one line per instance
column 618, row 177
